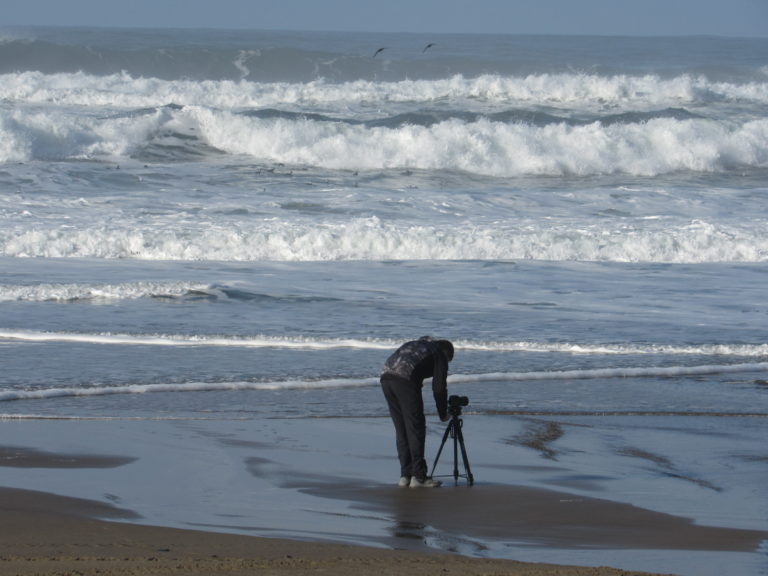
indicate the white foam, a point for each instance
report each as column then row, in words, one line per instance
column 55, row 133
column 746, row 350
column 69, row 292
column 644, row 372
column 484, row 147
column 56, row 122
column 314, row 343
column 374, row 239
column 44, row 394
column 259, row 341
column 14, row 147
column 613, row 373
column 659, row 146
column 589, row 91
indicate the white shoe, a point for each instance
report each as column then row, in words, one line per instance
column 405, row 481
column 426, row 483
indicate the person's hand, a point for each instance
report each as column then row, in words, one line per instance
column 445, row 418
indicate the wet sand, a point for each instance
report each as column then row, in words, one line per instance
column 44, row 534
column 204, row 498
column 541, row 517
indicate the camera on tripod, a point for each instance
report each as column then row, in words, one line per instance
column 455, row 404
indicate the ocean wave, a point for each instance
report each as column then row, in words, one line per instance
column 134, row 290
column 375, row 240
column 315, row 343
column 488, row 92
column 507, row 143
column 611, row 373
column 260, row 341
column 78, row 292
column 497, row 149
column 15, row 395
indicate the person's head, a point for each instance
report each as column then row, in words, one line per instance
column 447, row 348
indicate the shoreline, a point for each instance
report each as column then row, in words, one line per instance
column 50, row 535
column 226, row 495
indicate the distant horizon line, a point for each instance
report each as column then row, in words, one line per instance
column 192, row 28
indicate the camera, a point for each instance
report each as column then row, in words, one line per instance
column 455, row 403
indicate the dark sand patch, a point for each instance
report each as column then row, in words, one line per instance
column 49, row 535
column 542, row 517
column 666, row 466
column 540, row 436
column 20, row 457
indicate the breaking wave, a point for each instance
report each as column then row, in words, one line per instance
column 78, row 292
column 569, row 124
column 313, row 343
column 377, row 240
column 615, row 373
column 489, row 92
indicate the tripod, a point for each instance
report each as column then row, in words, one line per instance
column 454, row 430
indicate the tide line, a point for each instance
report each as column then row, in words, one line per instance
column 314, row 343
column 43, row 394
column 257, row 341
column 611, row 373
column 617, row 373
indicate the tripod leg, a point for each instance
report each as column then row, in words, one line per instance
column 456, row 432
column 470, row 478
column 440, row 451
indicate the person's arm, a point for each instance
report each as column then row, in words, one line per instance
column 440, row 385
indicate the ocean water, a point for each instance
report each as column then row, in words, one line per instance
column 246, row 223
column 242, row 225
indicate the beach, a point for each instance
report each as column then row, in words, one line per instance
column 45, row 534
column 299, row 496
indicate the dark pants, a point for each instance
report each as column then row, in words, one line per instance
column 406, row 407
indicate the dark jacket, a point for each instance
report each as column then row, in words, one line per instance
column 419, row 359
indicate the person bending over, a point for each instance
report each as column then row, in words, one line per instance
column 402, row 379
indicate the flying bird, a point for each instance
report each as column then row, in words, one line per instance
column 427, row 47
column 379, row 50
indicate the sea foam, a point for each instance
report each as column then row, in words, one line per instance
column 376, row 240
column 563, row 375
column 314, row 343
column 485, row 92
column 649, row 143
column 659, row 146
column 73, row 292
